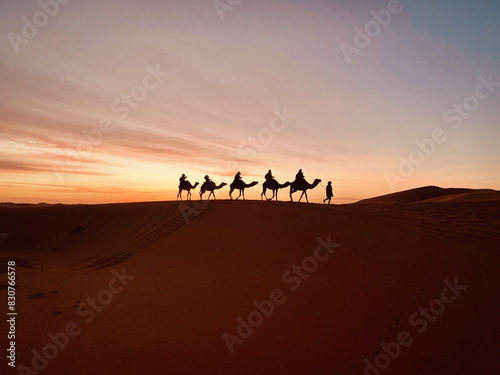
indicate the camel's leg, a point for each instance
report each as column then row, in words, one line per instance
column 263, row 193
column 243, row 194
column 239, row 196
column 189, row 195
column 276, row 195
column 179, row 194
column 291, row 191
column 212, row 193
column 301, row 195
column 270, row 199
column 231, row 194
column 305, row 192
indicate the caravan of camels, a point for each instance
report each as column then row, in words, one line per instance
column 299, row 184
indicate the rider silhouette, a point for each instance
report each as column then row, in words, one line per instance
column 183, row 178
column 300, row 176
column 269, row 176
column 237, row 177
column 207, row 179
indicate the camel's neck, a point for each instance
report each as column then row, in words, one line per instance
column 314, row 184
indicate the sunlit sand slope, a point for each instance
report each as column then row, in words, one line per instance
column 163, row 288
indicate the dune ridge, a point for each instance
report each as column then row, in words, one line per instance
column 435, row 194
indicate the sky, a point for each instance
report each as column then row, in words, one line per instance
column 111, row 101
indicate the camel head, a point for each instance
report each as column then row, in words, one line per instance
column 221, row 185
column 316, row 182
column 195, row 184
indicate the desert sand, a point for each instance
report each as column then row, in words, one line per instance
column 171, row 279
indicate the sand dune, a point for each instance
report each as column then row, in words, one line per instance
column 436, row 194
column 193, row 270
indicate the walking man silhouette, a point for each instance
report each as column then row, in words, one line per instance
column 329, row 192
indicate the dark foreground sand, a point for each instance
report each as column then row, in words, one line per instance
column 188, row 283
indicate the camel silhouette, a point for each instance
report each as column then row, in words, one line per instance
column 210, row 186
column 273, row 185
column 186, row 185
column 303, row 186
column 240, row 185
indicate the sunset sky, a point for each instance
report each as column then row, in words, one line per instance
column 205, row 82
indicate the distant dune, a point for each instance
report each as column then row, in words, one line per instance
column 435, row 194
column 154, row 287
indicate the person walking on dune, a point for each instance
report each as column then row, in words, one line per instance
column 329, row 192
